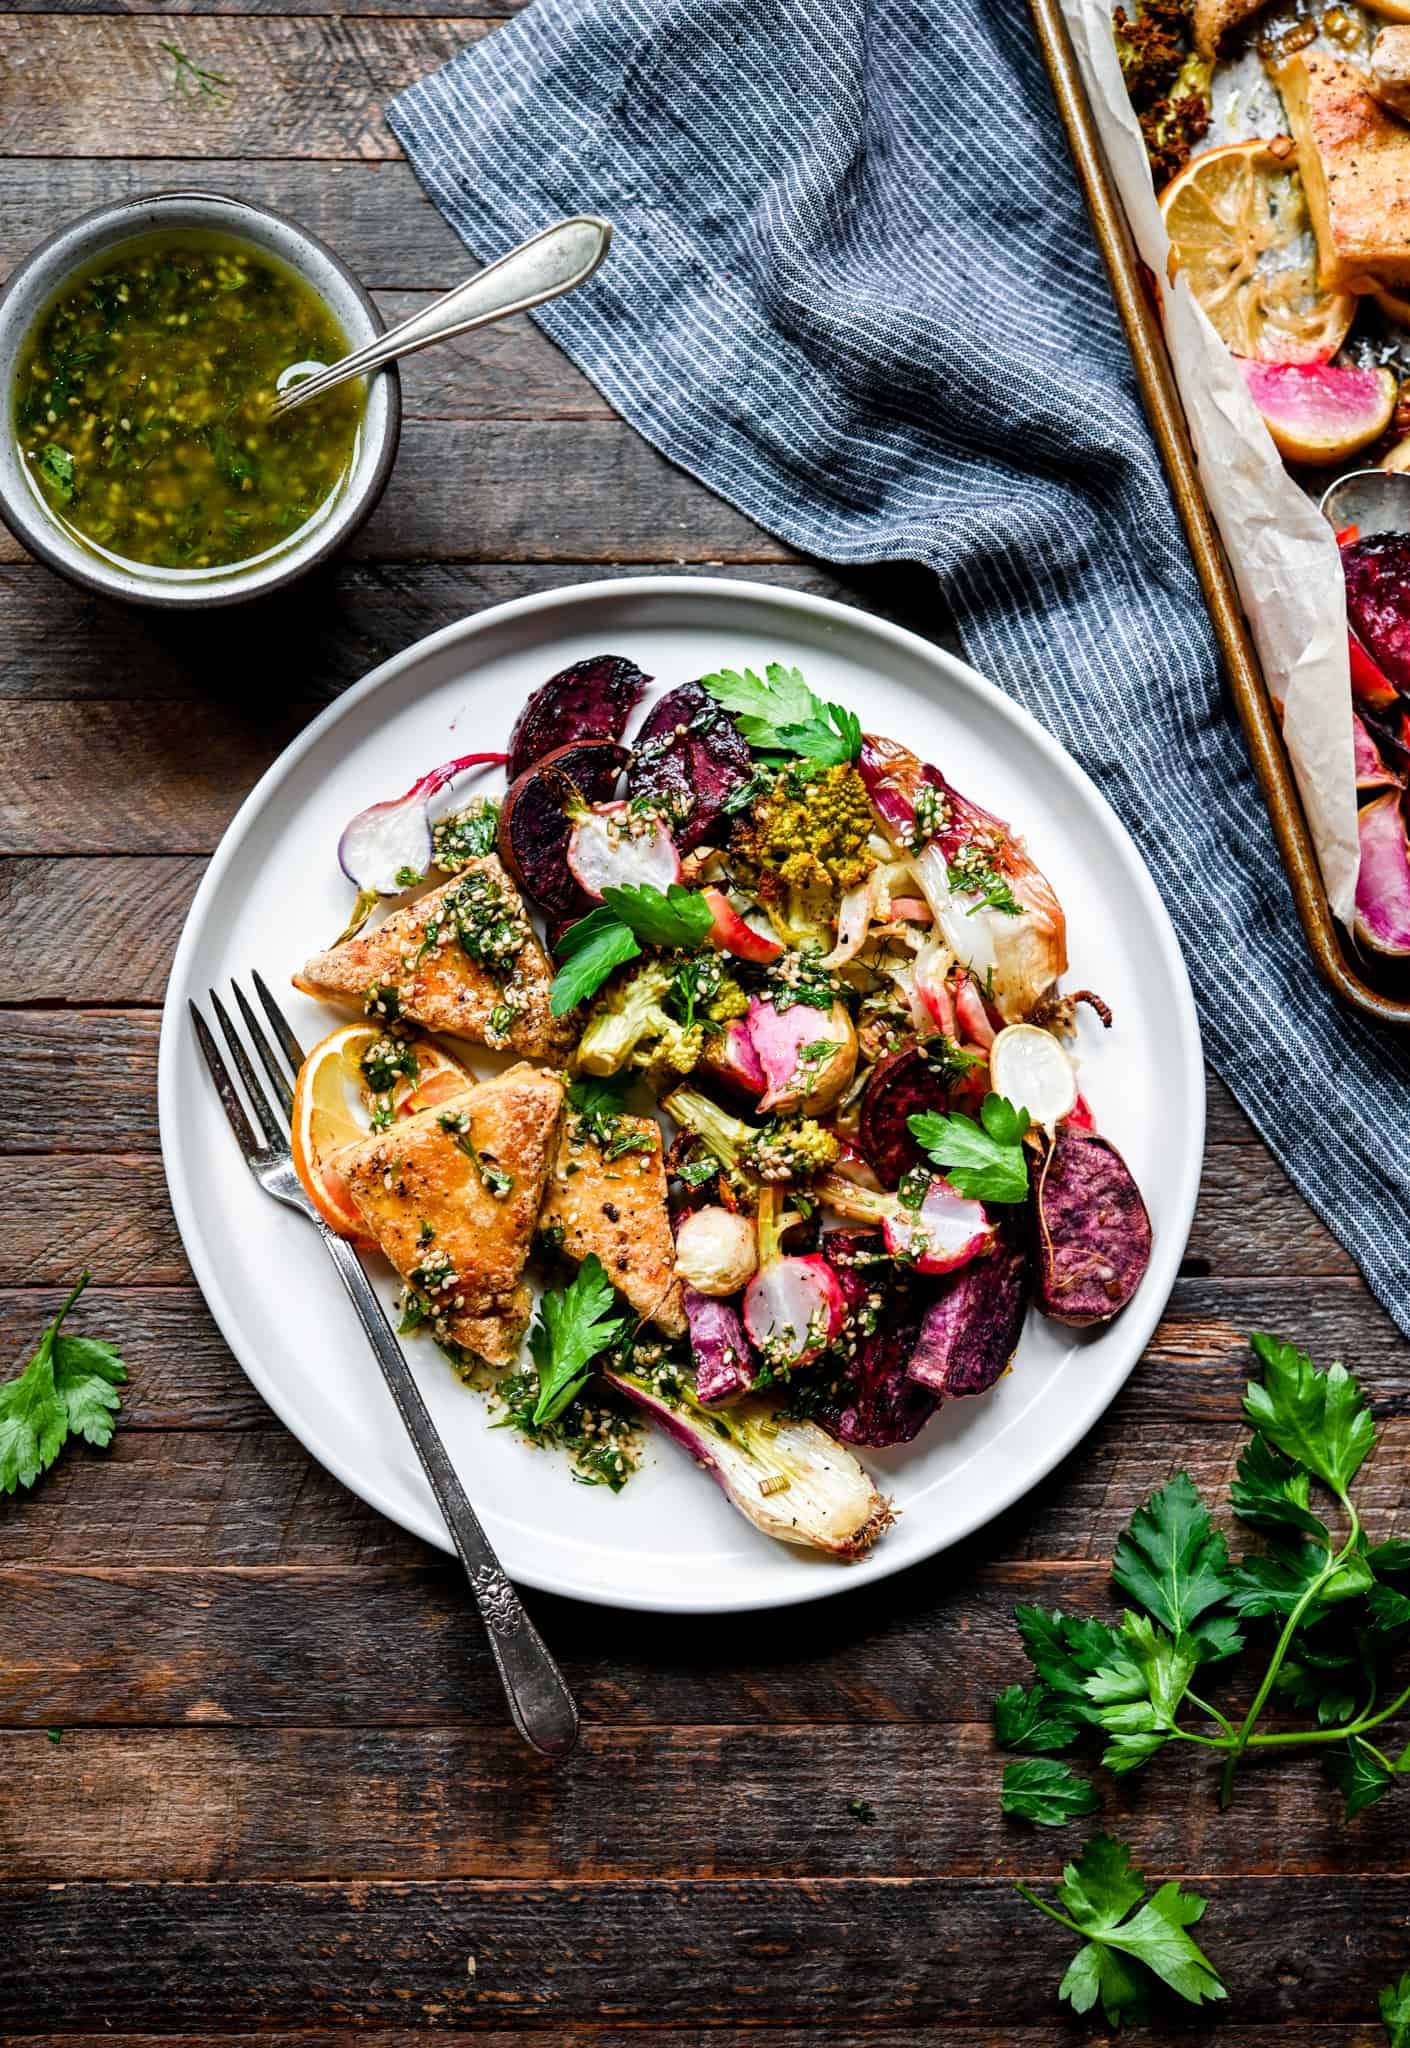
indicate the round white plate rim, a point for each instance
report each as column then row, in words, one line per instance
column 884, row 1561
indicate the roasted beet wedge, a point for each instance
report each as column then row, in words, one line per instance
column 874, row 1402
column 1378, row 601
column 534, row 828
column 1091, row 1229
column 900, row 1086
column 592, row 700
column 689, row 757
column 971, row 1329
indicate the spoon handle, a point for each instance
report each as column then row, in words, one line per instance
column 555, row 261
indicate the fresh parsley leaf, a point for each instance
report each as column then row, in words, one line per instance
column 1034, row 1721
column 1043, row 1790
column 1272, row 1492
column 1318, row 1419
column 1121, row 1954
column 1389, row 1560
column 56, row 468
column 680, row 917
column 68, row 1388
column 780, row 711
column 1273, row 1584
column 1395, row 2012
column 1388, row 1607
column 1065, row 1650
column 1170, row 1558
column 573, row 1326
column 589, row 951
column 1138, row 1693
column 1360, row 1775
column 985, row 1161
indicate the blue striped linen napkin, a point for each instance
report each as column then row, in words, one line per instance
column 853, row 289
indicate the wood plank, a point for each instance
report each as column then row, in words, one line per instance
column 374, row 214
column 91, row 931
column 297, row 85
column 967, row 2033
column 732, row 1953
column 704, row 1803
column 60, row 643
column 544, row 491
column 508, row 372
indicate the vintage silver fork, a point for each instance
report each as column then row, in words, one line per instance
column 539, row 1699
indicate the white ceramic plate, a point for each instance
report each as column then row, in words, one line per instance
column 670, row 1541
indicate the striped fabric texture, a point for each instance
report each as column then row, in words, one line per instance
column 853, row 290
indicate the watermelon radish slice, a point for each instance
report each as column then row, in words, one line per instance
column 1371, row 771
column 1321, row 412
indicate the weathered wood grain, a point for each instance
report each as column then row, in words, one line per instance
column 966, row 2033
column 296, row 85
column 91, row 931
column 704, row 1803
column 760, row 1952
column 544, row 491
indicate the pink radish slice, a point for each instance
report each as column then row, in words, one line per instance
column 972, row 1015
column 394, row 837
column 781, row 1038
column 793, row 1309
column 947, row 1231
column 932, row 965
column 911, row 910
column 732, row 1058
column 1320, row 412
column 734, row 934
column 1371, row 770
column 614, row 847
column 1383, row 884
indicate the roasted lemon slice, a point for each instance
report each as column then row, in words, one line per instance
column 1239, row 229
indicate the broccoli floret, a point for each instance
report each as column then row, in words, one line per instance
column 787, row 1149
column 701, row 989
column 806, row 841
column 631, row 1027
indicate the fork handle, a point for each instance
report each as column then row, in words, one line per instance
column 538, row 1695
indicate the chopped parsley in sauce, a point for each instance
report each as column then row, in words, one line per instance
column 141, row 404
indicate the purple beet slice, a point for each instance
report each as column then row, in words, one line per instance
column 902, row 1085
column 873, row 1402
column 689, row 757
column 970, row 1331
column 592, row 700
column 724, row 1364
column 1092, row 1230
column 1377, row 573
column 534, row 831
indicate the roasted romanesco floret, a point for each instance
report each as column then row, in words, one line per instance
column 787, row 1149
column 810, row 830
column 630, row 1026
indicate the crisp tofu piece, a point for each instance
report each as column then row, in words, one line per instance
column 439, row 983
column 1354, row 158
column 1390, row 70
column 425, row 1200
column 1215, row 20
column 617, row 1208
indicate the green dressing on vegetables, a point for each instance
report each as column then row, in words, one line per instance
column 141, row 404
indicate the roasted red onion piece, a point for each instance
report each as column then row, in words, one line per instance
column 1377, row 572
column 1383, row 882
column 534, row 828
column 1092, row 1230
column 724, row 1364
column 592, row 700
column 689, row 757
column 1372, row 772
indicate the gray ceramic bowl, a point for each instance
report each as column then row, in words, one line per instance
column 74, row 248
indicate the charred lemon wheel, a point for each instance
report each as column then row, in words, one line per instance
column 1240, row 231
column 332, row 1104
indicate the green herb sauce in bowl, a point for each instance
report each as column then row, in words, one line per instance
column 140, row 404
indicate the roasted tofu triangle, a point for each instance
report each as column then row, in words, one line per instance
column 452, row 1196
column 463, row 960
column 1354, row 158
column 616, row 1206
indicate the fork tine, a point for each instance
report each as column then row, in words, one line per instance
column 224, row 1087
column 292, row 1050
column 275, row 1134
column 277, row 1077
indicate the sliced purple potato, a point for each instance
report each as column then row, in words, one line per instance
column 874, row 1402
column 724, row 1364
column 901, row 1086
column 1092, row 1231
column 1383, row 882
column 790, row 1479
column 534, row 826
column 688, row 758
column 970, row 1331
column 592, row 700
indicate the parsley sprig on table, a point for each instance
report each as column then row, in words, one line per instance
column 1395, row 2012
column 67, row 1389
column 780, row 713
column 1333, row 1612
column 614, row 933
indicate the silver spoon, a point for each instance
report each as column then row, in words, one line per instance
column 1372, row 500
column 557, row 260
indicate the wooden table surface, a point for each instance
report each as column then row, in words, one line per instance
column 286, row 1803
